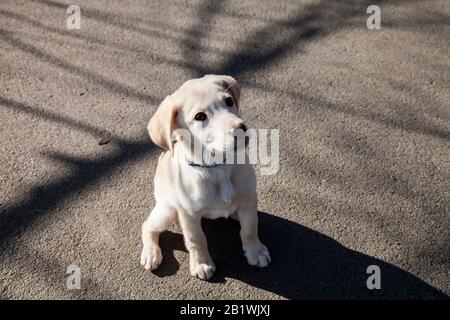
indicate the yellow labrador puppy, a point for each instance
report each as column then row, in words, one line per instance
column 194, row 185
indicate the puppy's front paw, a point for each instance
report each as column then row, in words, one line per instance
column 151, row 258
column 257, row 255
column 203, row 271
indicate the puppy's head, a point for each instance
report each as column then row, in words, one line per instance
column 206, row 109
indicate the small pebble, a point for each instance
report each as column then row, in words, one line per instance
column 103, row 141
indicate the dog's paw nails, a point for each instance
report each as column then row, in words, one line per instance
column 258, row 256
column 151, row 258
column 203, row 271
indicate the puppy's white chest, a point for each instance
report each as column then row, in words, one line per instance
column 223, row 205
column 212, row 197
column 224, row 193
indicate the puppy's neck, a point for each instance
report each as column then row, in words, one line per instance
column 185, row 159
column 201, row 187
column 193, row 159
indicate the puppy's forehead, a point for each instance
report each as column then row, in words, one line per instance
column 198, row 91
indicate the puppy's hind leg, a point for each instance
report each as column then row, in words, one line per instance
column 159, row 220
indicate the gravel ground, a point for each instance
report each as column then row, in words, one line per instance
column 364, row 120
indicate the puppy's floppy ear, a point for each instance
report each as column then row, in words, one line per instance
column 162, row 124
column 230, row 85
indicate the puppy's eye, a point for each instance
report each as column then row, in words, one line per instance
column 229, row 101
column 201, row 116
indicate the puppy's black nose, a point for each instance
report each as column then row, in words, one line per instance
column 243, row 127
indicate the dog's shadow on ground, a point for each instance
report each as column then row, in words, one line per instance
column 305, row 263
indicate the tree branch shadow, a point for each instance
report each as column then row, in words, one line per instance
column 38, row 200
column 112, row 85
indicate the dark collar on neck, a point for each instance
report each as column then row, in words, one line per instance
column 193, row 164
